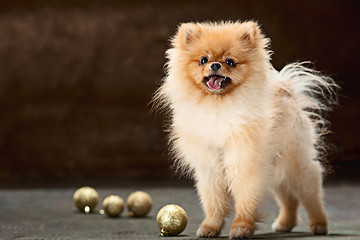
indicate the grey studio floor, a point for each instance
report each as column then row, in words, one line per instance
column 49, row 213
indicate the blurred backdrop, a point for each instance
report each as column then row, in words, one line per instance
column 76, row 78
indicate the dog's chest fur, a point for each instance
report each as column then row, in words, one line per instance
column 208, row 126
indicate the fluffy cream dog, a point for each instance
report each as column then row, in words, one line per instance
column 243, row 129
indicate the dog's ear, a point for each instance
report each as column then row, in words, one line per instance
column 249, row 32
column 187, row 33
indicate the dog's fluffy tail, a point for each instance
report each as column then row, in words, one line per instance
column 315, row 93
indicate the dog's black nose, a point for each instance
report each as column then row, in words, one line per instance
column 215, row 66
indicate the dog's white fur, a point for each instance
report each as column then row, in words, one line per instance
column 262, row 141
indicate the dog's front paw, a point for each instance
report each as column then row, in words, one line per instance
column 206, row 231
column 319, row 229
column 241, row 230
column 280, row 227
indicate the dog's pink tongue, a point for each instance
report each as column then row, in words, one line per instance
column 214, row 82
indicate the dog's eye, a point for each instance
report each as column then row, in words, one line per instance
column 230, row 62
column 204, row 60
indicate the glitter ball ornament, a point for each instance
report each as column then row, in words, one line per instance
column 113, row 205
column 171, row 220
column 86, row 199
column 139, row 204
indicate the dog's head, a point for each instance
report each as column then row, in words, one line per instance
column 219, row 57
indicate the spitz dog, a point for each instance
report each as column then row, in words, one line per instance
column 243, row 129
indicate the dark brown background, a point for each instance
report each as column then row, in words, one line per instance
column 76, row 78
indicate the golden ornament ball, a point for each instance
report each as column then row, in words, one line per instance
column 171, row 220
column 113, row 205
column 139, row 204
column 86, row 199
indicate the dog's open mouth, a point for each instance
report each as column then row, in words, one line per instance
column 216, row 82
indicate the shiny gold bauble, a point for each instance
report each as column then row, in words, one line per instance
column 86, row 199
column 171, row 220
column 139, row 204
column 113, row 205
